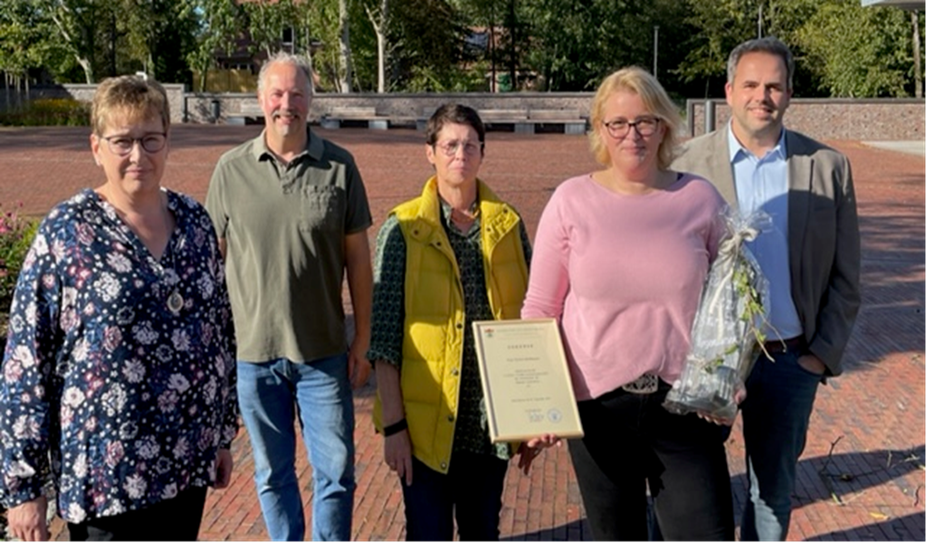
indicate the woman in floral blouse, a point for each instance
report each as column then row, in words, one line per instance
column 118, row 376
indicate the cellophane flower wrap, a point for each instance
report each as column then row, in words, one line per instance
column 727, row 331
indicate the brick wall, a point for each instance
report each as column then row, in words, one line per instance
column 833, row 118
column 394, row 105
column 821, row 118
column 84, row 93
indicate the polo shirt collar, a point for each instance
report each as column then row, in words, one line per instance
column 314, row 146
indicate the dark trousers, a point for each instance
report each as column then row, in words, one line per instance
column 471, row 491
column 780, row 398
column 631, row 440
column 177, row 519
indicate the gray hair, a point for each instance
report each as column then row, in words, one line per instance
column 282, row 57
column 769, row 45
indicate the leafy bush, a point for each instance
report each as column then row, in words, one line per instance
column 16, row 235
column 48, row 112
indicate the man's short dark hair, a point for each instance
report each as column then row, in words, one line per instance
column 454, row 114
column 770, row 45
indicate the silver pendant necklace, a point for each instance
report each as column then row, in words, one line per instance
column 174, row 300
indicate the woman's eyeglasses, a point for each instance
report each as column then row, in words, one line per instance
column 620, row 128
column 123, row 145
column 450, row 148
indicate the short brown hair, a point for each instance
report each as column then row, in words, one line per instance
column 454, row 114
column 769, row 45
column 131, row 95
column 640, row 82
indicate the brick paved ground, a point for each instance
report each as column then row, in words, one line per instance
column 862, row 474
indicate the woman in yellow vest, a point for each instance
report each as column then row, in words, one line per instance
column 454, row 255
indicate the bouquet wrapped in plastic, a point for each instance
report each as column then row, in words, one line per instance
column 727, row 332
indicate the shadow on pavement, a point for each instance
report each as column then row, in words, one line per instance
column 896, row 529
column 892, row 286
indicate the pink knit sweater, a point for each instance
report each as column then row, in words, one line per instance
column 623, row 274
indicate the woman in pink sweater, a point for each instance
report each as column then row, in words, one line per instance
column 620, row 258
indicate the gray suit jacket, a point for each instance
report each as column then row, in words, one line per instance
column 823, row 233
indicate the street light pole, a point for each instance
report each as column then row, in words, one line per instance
column 656, row 43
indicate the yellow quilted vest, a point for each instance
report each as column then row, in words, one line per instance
column 433, row 332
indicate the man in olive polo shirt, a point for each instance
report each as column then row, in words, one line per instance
column 291, row 214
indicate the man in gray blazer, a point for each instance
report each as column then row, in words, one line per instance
column 810, row 255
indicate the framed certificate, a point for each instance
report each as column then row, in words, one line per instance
column 526, row 381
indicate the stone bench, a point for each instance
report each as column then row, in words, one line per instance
column 516, row 117
column 571, row 120
column 368, row 115
column 526, row 121
column 250, row 110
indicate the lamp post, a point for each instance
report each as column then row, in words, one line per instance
column 656, row 43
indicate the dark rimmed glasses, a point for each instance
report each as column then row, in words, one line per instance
column 620, row 128
column 123, row 145
column 450, row 148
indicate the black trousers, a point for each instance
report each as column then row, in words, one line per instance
column 471, row 491
column 631, row 440
column 177, row 519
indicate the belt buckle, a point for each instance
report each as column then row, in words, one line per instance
column 645, row 384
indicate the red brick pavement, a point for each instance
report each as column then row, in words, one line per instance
column 862, row 473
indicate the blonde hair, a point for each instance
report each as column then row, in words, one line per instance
column 641, row 83
column 136, row 97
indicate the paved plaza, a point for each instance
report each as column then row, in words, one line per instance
column 862, row 473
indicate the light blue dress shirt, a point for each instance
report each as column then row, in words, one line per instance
column 763, row 184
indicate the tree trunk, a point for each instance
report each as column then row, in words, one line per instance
column 918, row 82
column 113, row 36
column 345, row 44
column 379, row 28
column 88, row 69
column 513, row 51
column 381, row 47
column 492, row 47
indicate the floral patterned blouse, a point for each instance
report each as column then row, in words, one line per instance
column 119, row 365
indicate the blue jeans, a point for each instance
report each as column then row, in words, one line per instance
column 471, row 491
column 780, row 396
column 271, row 396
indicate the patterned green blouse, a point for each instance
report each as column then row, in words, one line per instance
column 472, row 431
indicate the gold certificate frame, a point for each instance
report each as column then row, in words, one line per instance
column 526, row 380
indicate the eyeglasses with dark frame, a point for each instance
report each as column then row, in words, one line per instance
column 449, row 148
column 123, row 145
column 620, row 128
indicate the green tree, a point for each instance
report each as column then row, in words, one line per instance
column 718, row 27
column 23, row 45
column 318, row 22
column 858, row 52
column 75, row 24
column 266, row 21
column 220, row 26
column 430, row 47
column 574, row 43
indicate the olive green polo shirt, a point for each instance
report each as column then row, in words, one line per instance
column 285, row 227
